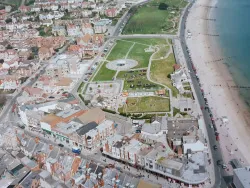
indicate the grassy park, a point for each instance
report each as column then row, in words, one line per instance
column 104, row 74
column 138, row 53
column 120, row 50
column 161, row 70
column 146, row 104
column 162, row 52
column 150, row 19
column 136, row 80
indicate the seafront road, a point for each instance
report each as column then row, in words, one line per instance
column 219, row 173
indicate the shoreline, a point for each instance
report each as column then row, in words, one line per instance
column 216, row 80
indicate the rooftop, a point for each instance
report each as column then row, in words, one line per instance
column 181, row 127
column 243, row 175
column 86, row 128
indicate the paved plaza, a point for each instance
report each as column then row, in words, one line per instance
column 122, row 64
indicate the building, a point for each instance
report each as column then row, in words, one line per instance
column 111, row 12
column 59, row 30
column 241, row 177
column 100, row 26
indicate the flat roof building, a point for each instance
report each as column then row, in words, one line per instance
column 241, row 178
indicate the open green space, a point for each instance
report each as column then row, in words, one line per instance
column 148, row 41
column 146, row 104
column 138, row 53
column 104, row 74
column 136, row 80
column 162, row 52
column 120, row 50
column 16, row 3
column 160, row 72
column 151, row 19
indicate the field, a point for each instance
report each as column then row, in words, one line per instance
column 120, row 50
column 136, row 80
column 138, row 53
column 149, row 19
column 104, row 74
column 146, row 104
column 11, row 2
column 161, row 70
column 162, row 52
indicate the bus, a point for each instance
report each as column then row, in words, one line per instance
column 76, row 150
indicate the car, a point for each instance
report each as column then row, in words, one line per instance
column 86, row 79
column 61, row 145
column 211, row 126
column 215, row 147
column 224, row 166
column 219, row 162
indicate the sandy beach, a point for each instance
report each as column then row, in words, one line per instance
column 217, row 82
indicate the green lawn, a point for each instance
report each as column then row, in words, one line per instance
column 148, row 19
column 160, row 72
column 162, row 52
column 146, row 104
column 11, row 2
column 148, row 41
column 138, row 53
column 120, row 50
column 104, row 74
column 136, row 80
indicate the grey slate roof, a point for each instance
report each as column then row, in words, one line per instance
column 86, row 128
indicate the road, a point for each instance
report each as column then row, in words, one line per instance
column 219, row 172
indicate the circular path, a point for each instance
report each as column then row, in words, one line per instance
column 121, row 64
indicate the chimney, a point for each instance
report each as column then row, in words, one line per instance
column 51, row 147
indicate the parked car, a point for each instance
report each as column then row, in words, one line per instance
column 61, row 145
column 219, row 162
column 215, row 147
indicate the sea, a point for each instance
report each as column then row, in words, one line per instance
column 232, row 24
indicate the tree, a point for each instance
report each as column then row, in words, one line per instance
column 1, row 61
column 100, row 98
column 163, row 6
column 8, row 20
column 2, row 100
column 9, row 47
column 110, row 85
column 34, row 50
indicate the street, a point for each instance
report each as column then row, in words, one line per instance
column 216, row 154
